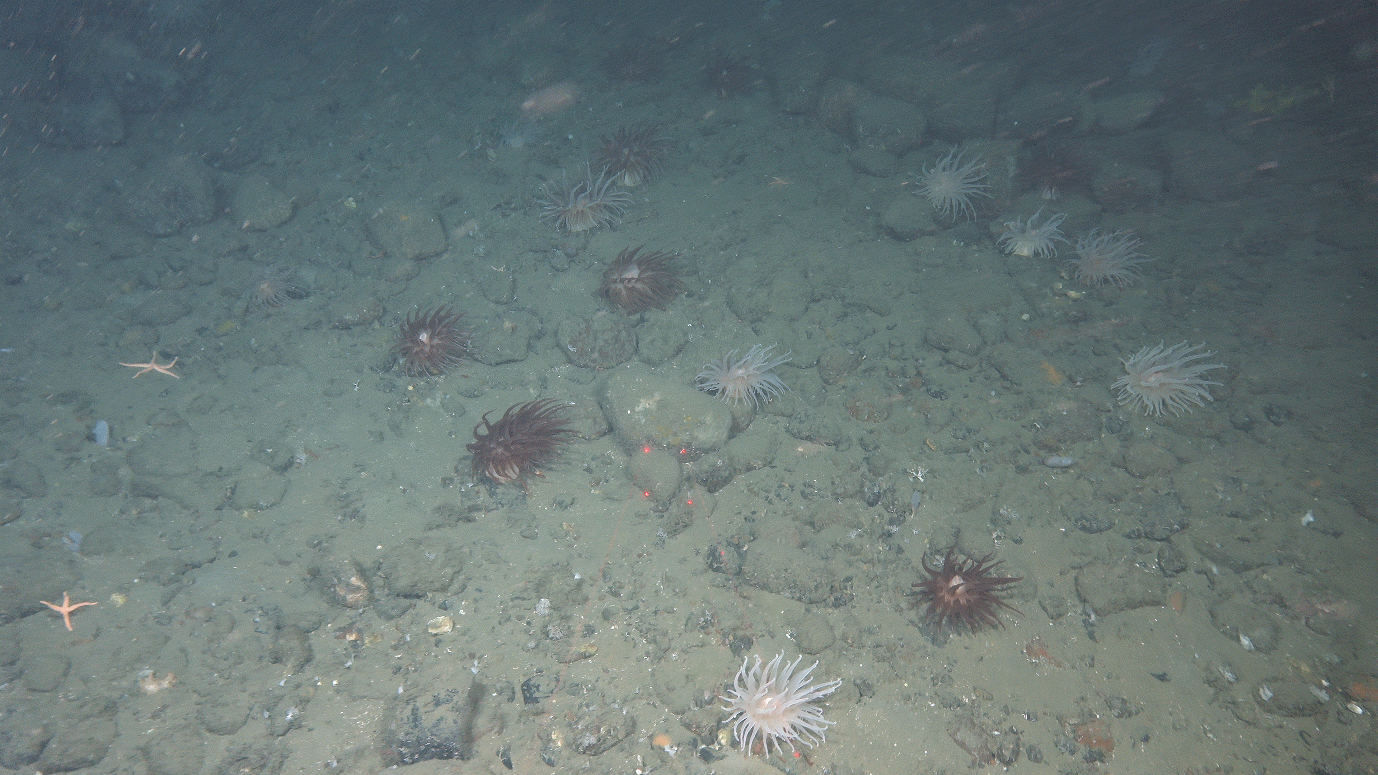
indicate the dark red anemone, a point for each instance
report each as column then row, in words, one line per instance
column 635, row 282
column 964, row 592
column 430, row 343
column 525, row 439
column 634, row 154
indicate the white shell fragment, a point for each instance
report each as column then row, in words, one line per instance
column 1265, row 693
column 1308, row 518
column 1355, row 707
column 1246, row 642
column 1320, row 693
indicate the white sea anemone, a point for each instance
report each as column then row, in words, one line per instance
column 950, row 185
column 773, row 702
column 748, row 379
column 1026, row 239
column 1108, row 258
column 584, row 204
column 1166, row 377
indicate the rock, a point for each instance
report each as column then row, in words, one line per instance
column 645, row 407
column 812, row 633
column 43, row 671
column 25, row 579
column 106, row 62
column 259, row 758
column 498, row 287
column 797, row 77
column 1234, row 618
column 784, row 295
column 172, row 194
column 506, row 341
column 420, row 567
column 1121, row 186
column 662, row 336
column 885, row 122
column 407, row 230
column 1207, row 166
column 291, row 648
column 873, row 161
column 23, row 737
column 160, row 309
column 1160, row 519
column 77, row 744
column 1171, row 560
column 176, row 750
column 224, row 715
column 11, row 509
column 656, row 473
column 953, row 332
column 595, row 733
column 597, row 341
column 1124, row 112
column 364, row 312
column 1112, row 589
column 837, row 101
column 1287, row 697
column 772, row 565
column 24, row 478
column 260, row 490
column 258, row 205
column 170, row 452
column 1037, row 109
column 908, row 217
column 71, row 124
column 1143, row 460
column 438, row 725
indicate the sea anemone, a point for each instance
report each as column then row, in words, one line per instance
column 634, row 154
column 1165, row 377
column 747, row 379
column 964, row 592
column 950, row 185
column 430, row 343
column 527, row 437
column 586, row 204
column 1026, row 239
column 774, row 703
column 635, row 282
column 1107, row 258
column 273, row 289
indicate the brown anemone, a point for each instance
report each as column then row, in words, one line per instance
column 526, row 438
column 430, row 343
column 964, row 592
column 635, row 282
column 634, row 154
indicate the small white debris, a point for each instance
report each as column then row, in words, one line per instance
column 1308, row 518
column 1246, row 642
column 1265, row 693
column 1320, row 693
column 1355, row 707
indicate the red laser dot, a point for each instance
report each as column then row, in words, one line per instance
column 690, row 501
column 645, row 493
column 646, row 450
